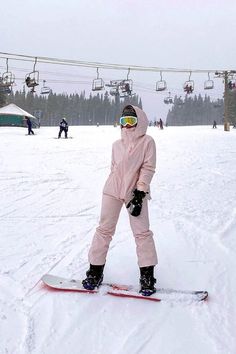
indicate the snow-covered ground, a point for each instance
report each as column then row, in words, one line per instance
column 50, row 197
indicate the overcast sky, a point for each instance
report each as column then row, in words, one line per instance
column 167, row 33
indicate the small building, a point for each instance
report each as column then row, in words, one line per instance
column 12, row 115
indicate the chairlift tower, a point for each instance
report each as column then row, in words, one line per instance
column 225, row 75
column 226, row 101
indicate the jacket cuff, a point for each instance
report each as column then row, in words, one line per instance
column 142, row 187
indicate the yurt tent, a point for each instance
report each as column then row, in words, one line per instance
column 12, row 115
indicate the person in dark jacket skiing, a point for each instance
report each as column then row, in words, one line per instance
column 161, row 123
column 29, row 125
column 63, row 128
column 214, row 124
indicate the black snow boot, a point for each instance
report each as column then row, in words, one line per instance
column 94, row 277
column 147, row 281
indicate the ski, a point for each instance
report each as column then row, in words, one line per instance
column 162, row 294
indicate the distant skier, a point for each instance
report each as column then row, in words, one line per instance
column 161, row 123
column 29, row 125
column 214, row 125
column 132, row 168
column 63, row 128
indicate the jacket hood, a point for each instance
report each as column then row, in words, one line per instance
column 141, row 127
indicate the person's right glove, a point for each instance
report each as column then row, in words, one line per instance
column 135, row 204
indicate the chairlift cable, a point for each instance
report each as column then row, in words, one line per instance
column 70, row 62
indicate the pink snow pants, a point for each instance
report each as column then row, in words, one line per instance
column 145, row 247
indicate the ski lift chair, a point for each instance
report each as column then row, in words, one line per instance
column 45, row 90
column 98, row 85
column 126, row 87
column 32, row 79
column 168, row 99
column 5, row 89
column 114, row 91
column 161, row 85
column 6, row 81
column 189, row 86
column 125, row 94
column 208, row 85
column 8, row 78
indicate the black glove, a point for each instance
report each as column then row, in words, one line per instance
column 135, row 204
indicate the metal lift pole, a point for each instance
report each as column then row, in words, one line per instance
column 226, row 103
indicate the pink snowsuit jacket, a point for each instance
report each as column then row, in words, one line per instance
column 133, row 161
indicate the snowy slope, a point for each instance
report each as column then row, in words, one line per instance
column 50, row 196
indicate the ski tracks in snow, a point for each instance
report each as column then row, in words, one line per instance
column 49, row 210
column 212, row 252
column 196, row 217
column 222, row 306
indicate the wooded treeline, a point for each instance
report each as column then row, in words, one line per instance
column 198, row 110
column 77, row 108
column 105, row 110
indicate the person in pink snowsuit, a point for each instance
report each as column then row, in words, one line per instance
column 132, row 168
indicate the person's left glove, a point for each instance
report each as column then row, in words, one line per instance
column 135, row 204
